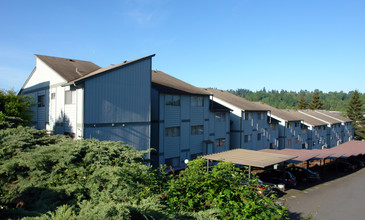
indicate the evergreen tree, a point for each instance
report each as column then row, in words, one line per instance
column 316, row 101
column 302, row 104
column 14, row 109
column 355, row 112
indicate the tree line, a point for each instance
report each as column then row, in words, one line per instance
column 351, row 105
column 283, row 99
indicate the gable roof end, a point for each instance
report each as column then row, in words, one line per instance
column 69, row 69
column 103, row 70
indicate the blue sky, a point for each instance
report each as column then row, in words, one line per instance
column 276, row 44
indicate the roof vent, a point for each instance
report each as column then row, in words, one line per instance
column 71, row 60
column 125, row 61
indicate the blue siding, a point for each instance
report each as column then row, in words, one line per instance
column 172, row 116
column 196, row 144
column 172, row 147
column 136, row 136
column 185, row 107
column 185, row 132
column 121, row 95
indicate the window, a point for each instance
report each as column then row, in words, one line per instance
column 304, row 129
column 174, row 162
column 194, row 156
column 220, row 142
column 248, row 138
column 273, row 126
column 288, row 142
column 296, row 124
column 70, row 97
column 197, row 101
column 272, row 145
column 248, row 115
column 41, row 101
column 197, row 130
column 261, row 115
column 296, row 140
column 288, row 125
column 172, row 132
column 53, row 95
column 259, row 136
column 220, row 116
column 172, row 100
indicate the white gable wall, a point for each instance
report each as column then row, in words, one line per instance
column 43, row 73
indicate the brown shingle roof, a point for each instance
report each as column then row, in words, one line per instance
column 307, row 119
column 66, row 67
column 169, row 84
column 334, row 115
column 321, row 116
column 239, row 102
column 280, row 113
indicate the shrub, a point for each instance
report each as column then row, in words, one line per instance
column 225, row 188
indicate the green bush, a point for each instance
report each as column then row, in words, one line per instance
column 225, row 188
column 54, row 177
column 14, row 109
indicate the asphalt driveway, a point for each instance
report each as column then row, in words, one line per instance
column 342, row 198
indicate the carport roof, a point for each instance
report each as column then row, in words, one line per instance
column 350, row 148
column 300, row 155
column 249, row 157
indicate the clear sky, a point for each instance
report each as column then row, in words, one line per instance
column 276, row 44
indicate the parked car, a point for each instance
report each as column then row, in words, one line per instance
column 344, row 166
column 358, row 163
column 278, row 177
column 261, row 188
column 303, row 175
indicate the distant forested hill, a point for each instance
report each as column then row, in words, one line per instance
column 333, row 101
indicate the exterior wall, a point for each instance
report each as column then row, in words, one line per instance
column 318, row 137
column 43, row 81
column 117, row 105
column 218, row 129
column 43, row 73
column 254, row 127
column 303, row 139
column 347, row 131
column 241, row 127
column 273, row 134
column 290, row 135
column 236, row 121
column 334, row 135
column 185, row 145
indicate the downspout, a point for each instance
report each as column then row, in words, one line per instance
column 284, row 136
column 82, row 110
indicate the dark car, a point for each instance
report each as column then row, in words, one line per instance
column 345, row 166
column 278, row 177
column 302, row 174
column 358, row 163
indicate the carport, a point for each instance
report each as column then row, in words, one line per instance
column 301, row 155
column 248, row 158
